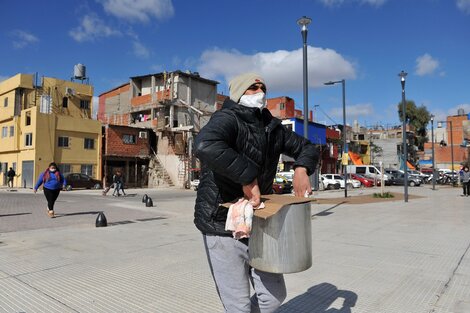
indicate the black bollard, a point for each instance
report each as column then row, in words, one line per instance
column 144, row 198
column 149, row 202
column 101, row 220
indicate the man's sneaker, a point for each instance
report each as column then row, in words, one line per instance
column 50, row 213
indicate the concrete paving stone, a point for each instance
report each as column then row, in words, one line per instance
column 392, row 257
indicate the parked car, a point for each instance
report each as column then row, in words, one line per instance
column 194, row 184
column 366, row 182
column 399, row 180
column 352, row 183
column 368, row 171
column 281, row 185
column 329, row 183
column 288, row 175
column 78, row 180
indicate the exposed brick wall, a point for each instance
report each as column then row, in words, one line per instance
column 106, row 95
column 116, row 146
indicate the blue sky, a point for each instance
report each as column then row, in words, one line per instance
column 366, row 42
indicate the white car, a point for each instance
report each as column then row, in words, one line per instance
column 195, row 184
column 288, row 175
column 329, row 183
column 351, row 182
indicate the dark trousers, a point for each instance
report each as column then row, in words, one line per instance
column 466, row 188
column 51, row 196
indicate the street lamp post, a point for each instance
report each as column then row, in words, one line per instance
column 433, row 161
column 303, row 22
column 405, row 152
column 345, row 167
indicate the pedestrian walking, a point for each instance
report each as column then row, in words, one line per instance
column 465, row 178
column 118, row 183
column 11, row 175
column 239, row 151
column 53, row 182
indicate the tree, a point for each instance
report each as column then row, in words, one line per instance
column 419, row 118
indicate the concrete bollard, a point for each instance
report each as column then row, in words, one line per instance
column 101, row 220
column 149, row 202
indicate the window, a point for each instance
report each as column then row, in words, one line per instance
column 28, row 119
column 65, row 102
column 89, row 143
column 84, row 104
column 63, row 142
column 64, row 168
column 87, row 169
column 282, row 106
column 5, row 102
column 28, row 139
column 4, row 132
column 12, row 131
column 360, row 170
column 129, row 139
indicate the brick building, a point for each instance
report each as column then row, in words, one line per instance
column 453, row 142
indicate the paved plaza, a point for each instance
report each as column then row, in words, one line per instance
column 380, row 257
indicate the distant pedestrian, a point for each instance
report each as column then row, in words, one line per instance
column 118, row 181
column 53, row 182
column 465, row 177
column 11, row 175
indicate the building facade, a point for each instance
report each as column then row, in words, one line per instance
column 46, row 122
column 172, row 107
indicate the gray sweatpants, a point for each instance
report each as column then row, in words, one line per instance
column 228, row 261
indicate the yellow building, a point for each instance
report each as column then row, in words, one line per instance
column 50, row 122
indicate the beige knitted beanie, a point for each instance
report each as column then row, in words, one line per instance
column 240, row 84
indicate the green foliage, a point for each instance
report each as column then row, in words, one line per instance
column 419, row 118
column 383, row 195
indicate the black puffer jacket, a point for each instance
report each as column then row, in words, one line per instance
column 238, row 145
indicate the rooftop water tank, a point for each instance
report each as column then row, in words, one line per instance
column 79, row 71
column 460, row 111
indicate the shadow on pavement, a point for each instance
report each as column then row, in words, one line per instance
column 78, row 213
column 322, row 298
column 14, row 214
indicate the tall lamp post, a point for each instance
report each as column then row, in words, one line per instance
column 433, row 161
column 405, row 152
column 345, row 166
column 439, row 125
column 303, row 22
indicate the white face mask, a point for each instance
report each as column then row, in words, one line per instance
column 52, row 170
column 258, row 100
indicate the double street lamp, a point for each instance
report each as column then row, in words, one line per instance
column 405, row 150
column 345, row 166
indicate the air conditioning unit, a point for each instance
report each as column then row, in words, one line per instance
column 69, row 91
column 143, row 134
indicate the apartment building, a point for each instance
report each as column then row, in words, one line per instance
column 45, row 122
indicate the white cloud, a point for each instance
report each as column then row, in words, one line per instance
column 353, row 112
column 139, row 10
column 337, row 3
column 22, row 38
column 91, row 28
column 281, row 69
column 426, row 65
column 140, row 50
column 464, row 6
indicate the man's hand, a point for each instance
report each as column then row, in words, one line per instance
column 301, row 182
column 252, row 193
